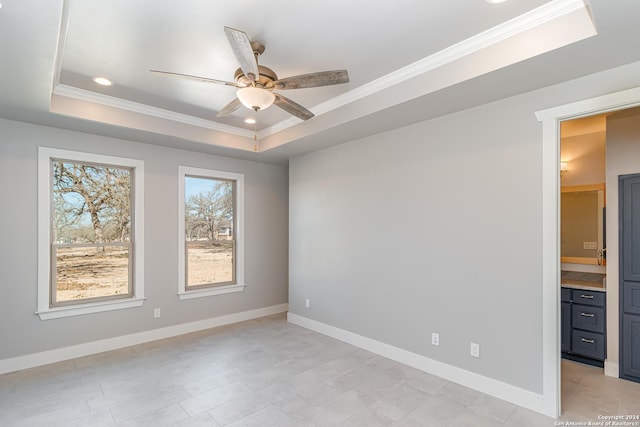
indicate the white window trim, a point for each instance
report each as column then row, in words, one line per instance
column 45, row 154
column 239, row 286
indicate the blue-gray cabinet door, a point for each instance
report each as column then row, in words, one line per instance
column 630, row 227
column 631, row 297
column 629, row 224
column 631, row 348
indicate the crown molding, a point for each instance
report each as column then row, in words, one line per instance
column 546, row 13
column 525, row 22
column 540, row 16
column 135, row 107
column 60, row 45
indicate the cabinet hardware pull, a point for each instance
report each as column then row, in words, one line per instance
column 587, row 314
column 586, row 296
column 587, row 341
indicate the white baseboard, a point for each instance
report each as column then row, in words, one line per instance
column 611, row 369
column 510, row 393
column 72, row 352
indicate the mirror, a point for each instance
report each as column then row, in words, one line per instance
column 582, row 231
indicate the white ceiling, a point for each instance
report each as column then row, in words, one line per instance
column 408, row 61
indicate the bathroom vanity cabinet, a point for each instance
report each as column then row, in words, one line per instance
column 583, row 325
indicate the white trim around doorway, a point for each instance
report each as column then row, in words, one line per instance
column 551, row 119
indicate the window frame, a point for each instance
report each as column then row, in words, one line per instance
column 203, row 290
column 46, row 310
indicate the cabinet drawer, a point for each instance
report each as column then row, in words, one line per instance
column 565, row 294
column 588, row 318
column 587, row 297
column 588, row 344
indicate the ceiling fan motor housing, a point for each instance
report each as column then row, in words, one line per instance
column 265, row 79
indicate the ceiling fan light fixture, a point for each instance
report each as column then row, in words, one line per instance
column 255, row 98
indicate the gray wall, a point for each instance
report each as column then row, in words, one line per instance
column 435, row 227
column 266, row 225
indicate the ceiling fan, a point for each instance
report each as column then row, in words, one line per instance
column 256, row 83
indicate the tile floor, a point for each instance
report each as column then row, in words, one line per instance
column 588, row 393
column 267, row 372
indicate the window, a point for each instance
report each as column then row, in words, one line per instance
column 210, row 227
column 90, row 238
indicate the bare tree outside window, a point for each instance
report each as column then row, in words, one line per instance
column 91, row 232
column 209, row 231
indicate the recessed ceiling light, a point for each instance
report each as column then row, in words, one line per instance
column 496, row 1
column 102, row 81
column 250, row 121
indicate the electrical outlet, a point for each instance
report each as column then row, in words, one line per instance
column 307, row 303
column 435, row 338
column 475, row 349
column 589, row 245
column 156, row 313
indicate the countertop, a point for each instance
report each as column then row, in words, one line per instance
column 586, row 281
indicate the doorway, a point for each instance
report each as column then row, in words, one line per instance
column 593, row 331
column 583, row 239
column 551, row 271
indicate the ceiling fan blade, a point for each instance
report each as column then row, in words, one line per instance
column 243, row 51
column 229, row 108
column 322, row 78
column 292, row 108
column 190, row 77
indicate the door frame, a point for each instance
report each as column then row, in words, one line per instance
column 551, row 119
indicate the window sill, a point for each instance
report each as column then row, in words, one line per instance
column 80, row 309
column 199, row 293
